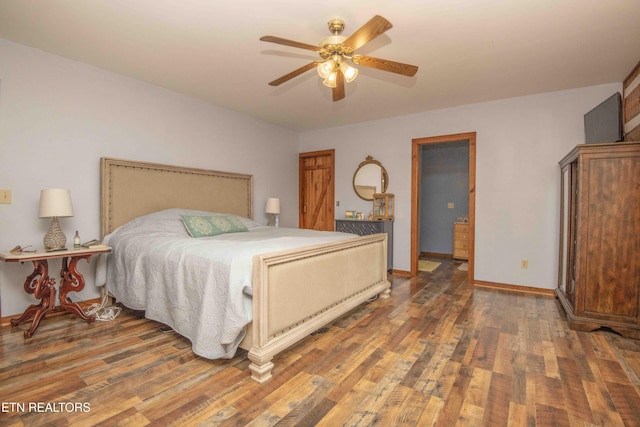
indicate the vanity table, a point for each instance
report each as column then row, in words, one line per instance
column 370, row 182
column 363, row 228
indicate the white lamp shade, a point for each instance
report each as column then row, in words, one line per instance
column 273, row 206
column 55, row 202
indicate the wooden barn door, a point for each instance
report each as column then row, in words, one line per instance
column 316, row 186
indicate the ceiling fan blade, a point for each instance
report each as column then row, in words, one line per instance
column 279, row 40
column 338, row 91
column 385, row 65
column 369, row 31
column 293, row 74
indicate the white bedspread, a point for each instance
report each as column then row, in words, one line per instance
column 201, row 287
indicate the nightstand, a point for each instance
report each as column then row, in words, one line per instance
column 43, row 287
column 460, row 240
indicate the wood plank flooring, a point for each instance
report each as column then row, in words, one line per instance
column 438, row 352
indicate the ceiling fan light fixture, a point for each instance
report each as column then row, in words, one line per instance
column 325, row 68
column 349, row 73
column 331, row 80
column 337, row 49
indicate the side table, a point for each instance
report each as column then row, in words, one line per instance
column 43, row 287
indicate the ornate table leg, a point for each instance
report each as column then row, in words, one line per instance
column 44, row 288
column 72, row 281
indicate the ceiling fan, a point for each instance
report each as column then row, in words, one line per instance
column 336, row 50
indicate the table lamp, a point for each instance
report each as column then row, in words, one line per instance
column 273, row 208
column 55, row 203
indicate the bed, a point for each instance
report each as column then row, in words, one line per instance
column 294, row 289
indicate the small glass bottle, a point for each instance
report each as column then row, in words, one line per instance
column 76, row 240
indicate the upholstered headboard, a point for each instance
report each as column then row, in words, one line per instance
column 130, row 189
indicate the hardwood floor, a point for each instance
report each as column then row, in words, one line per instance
column 438, row 352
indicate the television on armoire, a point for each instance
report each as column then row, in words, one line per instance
column 604, row 122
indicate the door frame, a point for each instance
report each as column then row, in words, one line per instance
column 331, row 196
column 416, row 144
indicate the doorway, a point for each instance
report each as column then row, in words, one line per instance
column 316, row 190
column 416, row 182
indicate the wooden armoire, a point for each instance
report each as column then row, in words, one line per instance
column 599, row 265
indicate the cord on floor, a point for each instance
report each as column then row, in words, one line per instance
column 103, row 312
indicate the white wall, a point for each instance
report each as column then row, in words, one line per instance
column 58, row 117
column 519, row 143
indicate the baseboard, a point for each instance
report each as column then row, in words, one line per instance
column 514, row 288
column 435, row 255
column 6, row 321
column 401, row 273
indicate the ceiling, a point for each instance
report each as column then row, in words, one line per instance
column 467, row 51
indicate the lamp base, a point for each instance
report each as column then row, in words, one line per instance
column 274, row 221
column 55, row 240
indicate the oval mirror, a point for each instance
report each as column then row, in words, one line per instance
column 370, row 178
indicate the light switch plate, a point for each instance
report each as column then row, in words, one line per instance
column 450, row 205
column 5, row 197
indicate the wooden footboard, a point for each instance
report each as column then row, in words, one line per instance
column 297, row 292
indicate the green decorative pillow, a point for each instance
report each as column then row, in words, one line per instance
column 202, row 226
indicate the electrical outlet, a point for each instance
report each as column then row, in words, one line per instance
column 5, row 196
column 524, row 264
